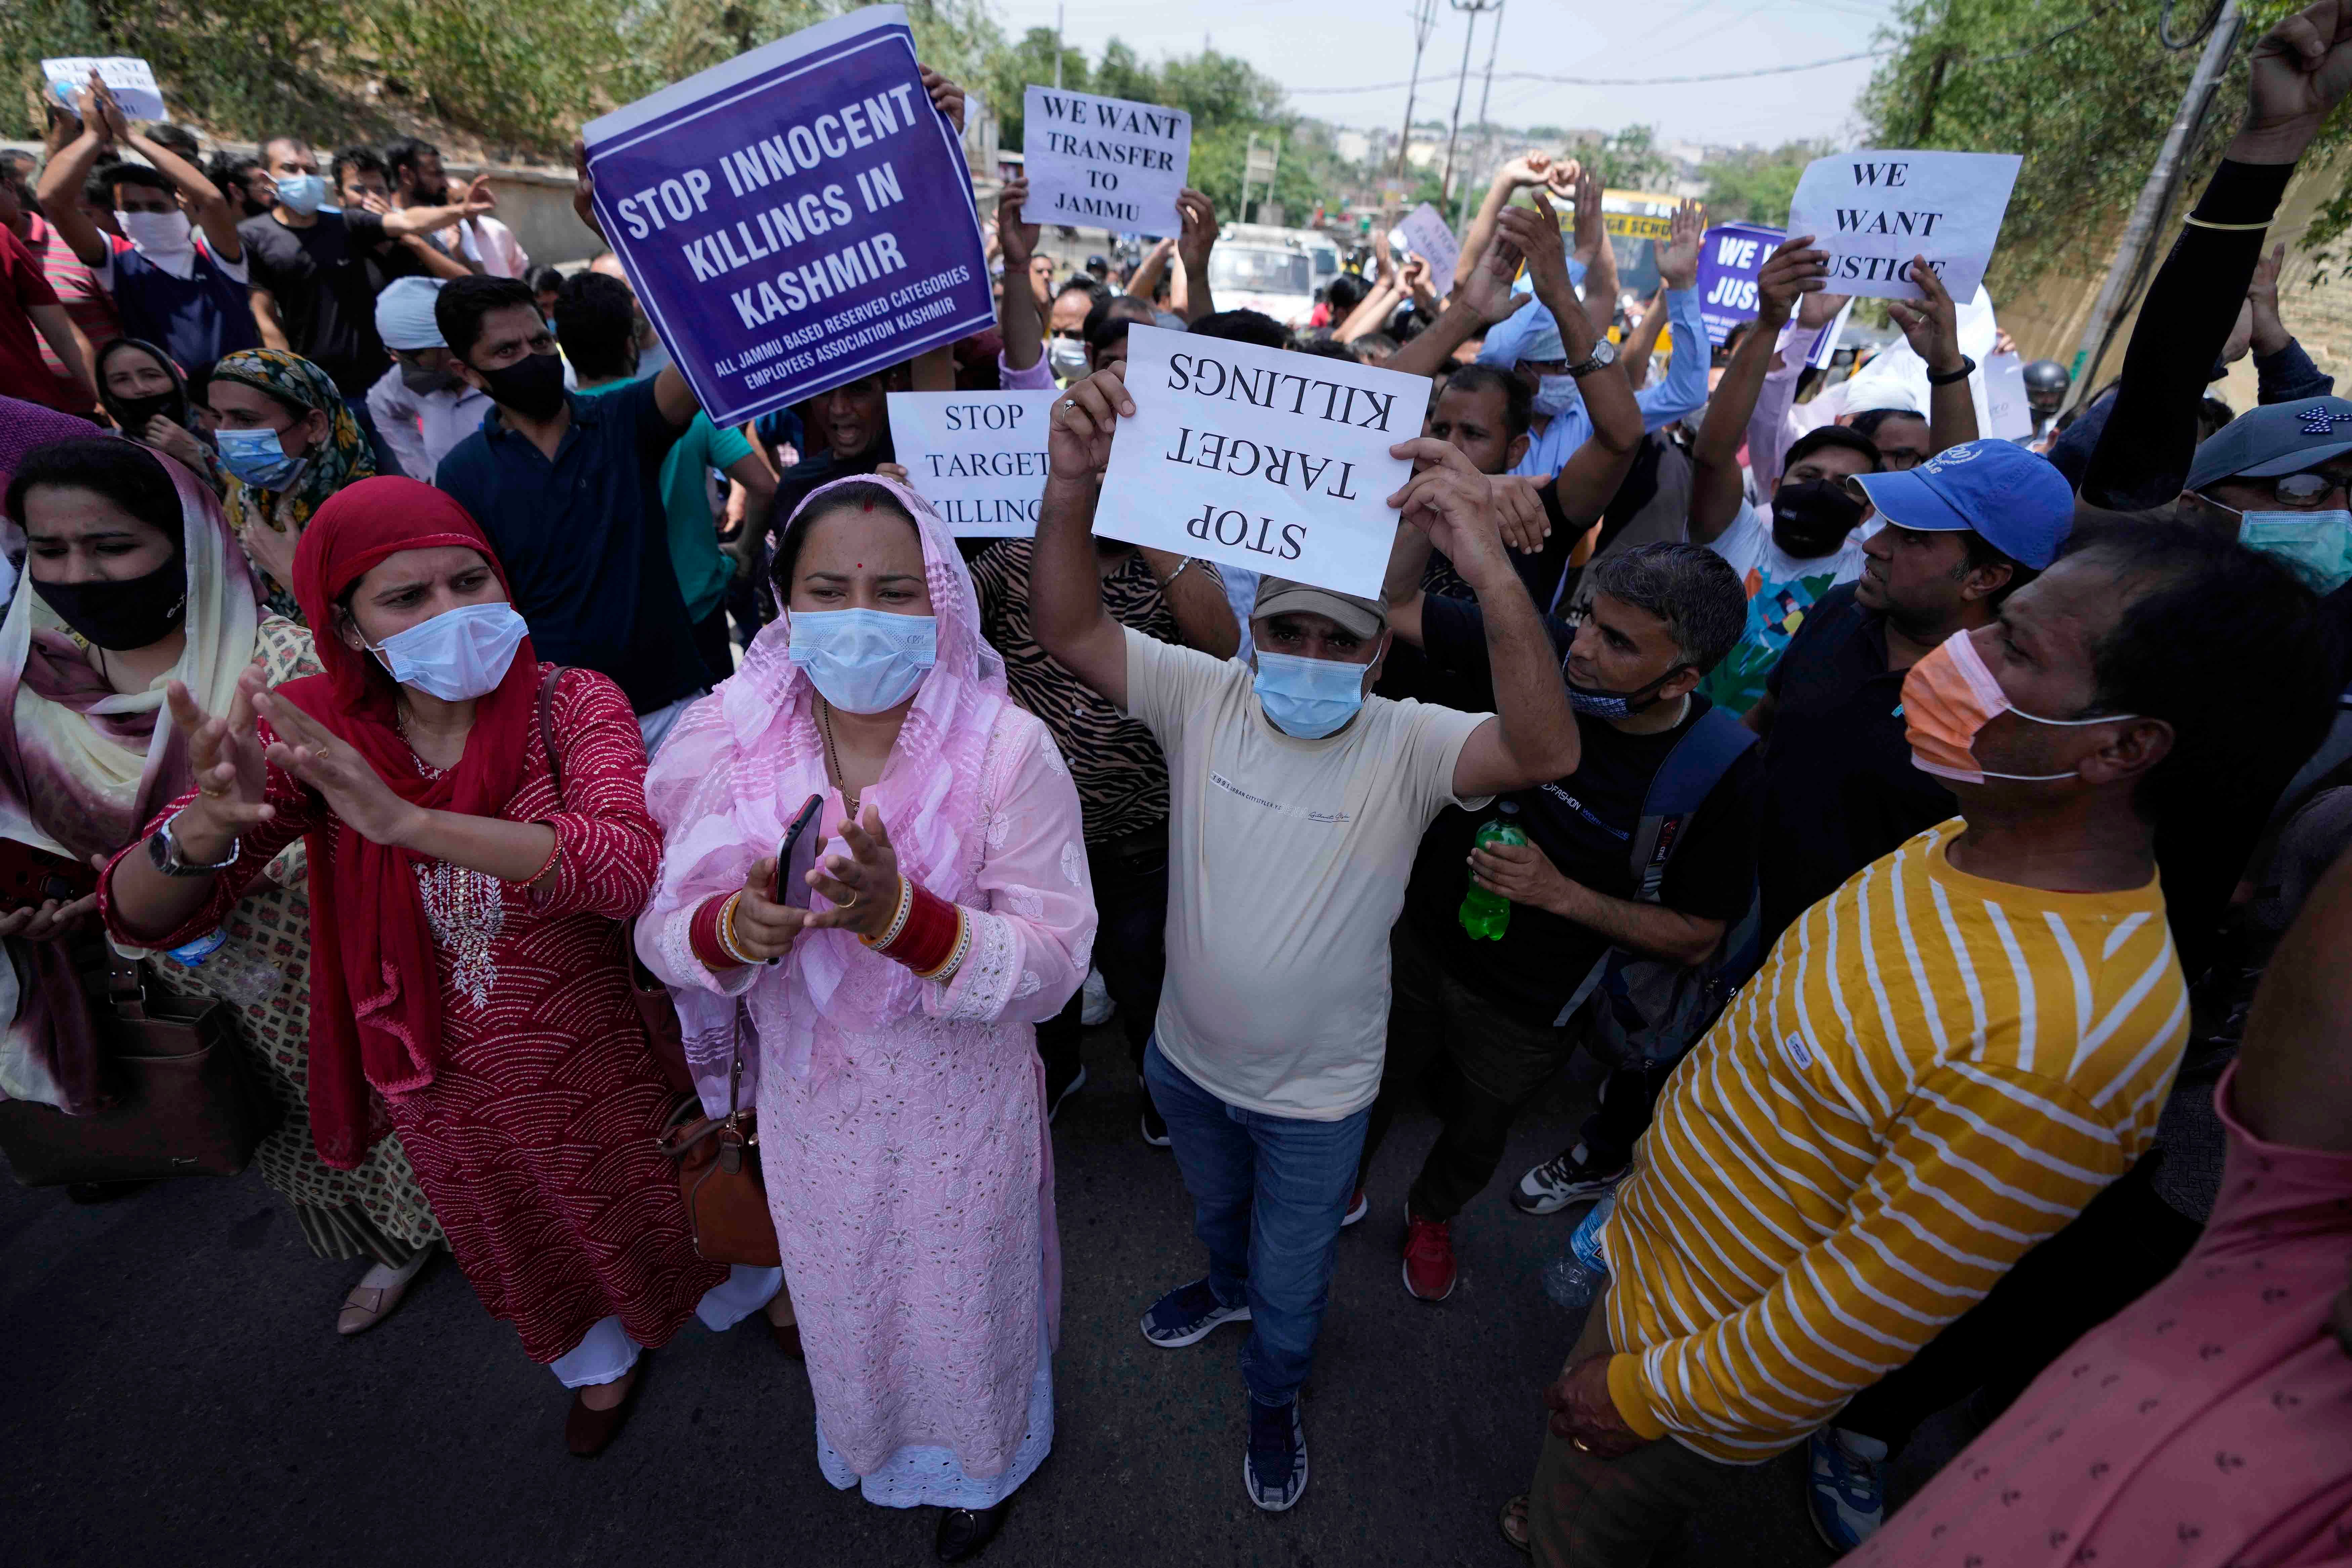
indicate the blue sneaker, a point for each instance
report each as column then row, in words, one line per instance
column 1846, row 1492
column 1274, row 1467
column 1188, row 1314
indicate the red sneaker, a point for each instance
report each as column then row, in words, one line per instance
column 1428, row 1257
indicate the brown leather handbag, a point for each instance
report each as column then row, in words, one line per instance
column 187, row 1103
column 719, row 1180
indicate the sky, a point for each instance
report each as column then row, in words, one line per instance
column 1311, row 44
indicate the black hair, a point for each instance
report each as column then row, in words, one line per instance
column 175, row 139
column 1079, row 283
column 1983, row 552
column 596, row 323
column 1688, row 586
column 1343, row 294
column 1826, row 436
column 1324, row 346
column 1244, row 327
column 1866, row 424
column 227, row 172
column 459, row 307
column 544, row 280
column 1375, row 345
column 865, row 496
column 1112, row 314
column 406, row 153
column 101, row 187
column 124, row 473
column 262, row 146
column 2221, row 642
column 2211, row 414
column 1731, row 341
column 362, row 159
column 1519, row 402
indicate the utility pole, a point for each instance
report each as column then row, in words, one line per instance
column 1057, row 48
column 1493, row 48
column 1424, row 22
column 1471, row 10
column 2141, row 227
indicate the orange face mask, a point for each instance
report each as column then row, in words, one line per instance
column 1949, row 696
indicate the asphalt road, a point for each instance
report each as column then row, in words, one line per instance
column 175, row 1393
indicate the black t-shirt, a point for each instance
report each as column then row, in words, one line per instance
column 1584, row 824
column 320, row 277
column 1840, row 789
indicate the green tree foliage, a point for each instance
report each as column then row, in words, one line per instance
column 1010, row 72
column 2085, row 92
column 1629, row 159
column 1754, row 185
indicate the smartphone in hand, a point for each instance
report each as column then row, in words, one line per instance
column 796, row 856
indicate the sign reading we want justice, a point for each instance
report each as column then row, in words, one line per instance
column 795, row 218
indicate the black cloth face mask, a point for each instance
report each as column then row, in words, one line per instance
column 1813, row 517
column 532, row 386
column 132, row 414
column 118, row 617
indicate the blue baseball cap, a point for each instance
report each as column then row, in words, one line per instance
column 2276, row 438
column 2015, row 501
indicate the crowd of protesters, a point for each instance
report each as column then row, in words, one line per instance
column 1930, row 849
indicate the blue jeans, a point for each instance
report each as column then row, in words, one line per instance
column 1268, row 1194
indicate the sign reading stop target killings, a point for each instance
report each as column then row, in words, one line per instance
column 796, row 219
column 1260, row 457
column 978, row 457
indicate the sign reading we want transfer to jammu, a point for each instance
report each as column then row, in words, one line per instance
column 1103, row 162
column 795, row 218
column 1260, row 457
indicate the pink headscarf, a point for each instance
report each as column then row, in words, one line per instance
column 738, row 764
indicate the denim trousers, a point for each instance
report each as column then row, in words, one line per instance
column 1268, row 1194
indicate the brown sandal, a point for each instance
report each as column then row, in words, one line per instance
column 1513, row 1524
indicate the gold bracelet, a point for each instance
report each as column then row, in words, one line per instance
column 727, row 932
column 2195, row 222
column 946, row 971
column 898, row 921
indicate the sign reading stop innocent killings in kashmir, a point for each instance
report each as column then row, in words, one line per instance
column 795, row 218
column 978, row 457
column 1103, row 162
column 1260, row 457
column 1875, row 212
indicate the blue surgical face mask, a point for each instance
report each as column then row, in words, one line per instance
column 256, row 456
column 458, row 655
column 1555, row 395
column 2318, row 544
column 303, row 194
column 1308, row 697
column 863, row 662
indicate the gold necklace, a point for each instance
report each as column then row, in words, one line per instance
column 833, row 758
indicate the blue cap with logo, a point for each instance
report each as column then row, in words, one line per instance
column 2276, row 438
column 2015, row 501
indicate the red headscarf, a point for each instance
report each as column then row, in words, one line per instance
column 375, row 1004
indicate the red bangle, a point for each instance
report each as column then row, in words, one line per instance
column 702, row 934
column 929, row 934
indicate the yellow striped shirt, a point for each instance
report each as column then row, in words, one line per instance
column 1932, row 1073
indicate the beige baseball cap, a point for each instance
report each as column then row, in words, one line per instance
column 1364, row 617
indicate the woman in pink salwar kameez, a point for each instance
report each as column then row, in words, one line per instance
column 899, row 1097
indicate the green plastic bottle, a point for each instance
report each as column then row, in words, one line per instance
column 1487, row 915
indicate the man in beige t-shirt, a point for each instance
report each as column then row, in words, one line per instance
column 1297, row 803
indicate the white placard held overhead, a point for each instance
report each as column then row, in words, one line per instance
column 1423, row 232
column 978, row 457
column 1874, row 211
column 1260, row 457
column 1103, row 162
column 1825, row 343
column 132, row 80
column 2009, row 416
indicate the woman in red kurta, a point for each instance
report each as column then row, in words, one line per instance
column 471, row 971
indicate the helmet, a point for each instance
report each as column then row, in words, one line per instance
column 2047, row 375
column 1097, row 265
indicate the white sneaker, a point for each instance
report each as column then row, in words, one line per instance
column 1097, row 1006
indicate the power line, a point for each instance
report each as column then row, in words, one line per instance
column 1609, row 81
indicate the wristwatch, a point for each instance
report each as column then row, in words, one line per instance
column 1967, row 368
column 1603, row 355
column 164, row 851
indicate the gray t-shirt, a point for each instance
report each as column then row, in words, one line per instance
column 1287, row 863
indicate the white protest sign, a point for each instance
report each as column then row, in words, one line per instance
column 1423, row 232
column 1104, row 160
column 1874, row 211
column 1825, row 344
column 1260, row 457
column 978, row 457
column 133, row 83
column 2012, row 418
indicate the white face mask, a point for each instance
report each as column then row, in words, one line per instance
column 157, row 234
column 1555, row 395
column 458, row 655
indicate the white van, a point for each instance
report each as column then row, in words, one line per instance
column 1277, row 270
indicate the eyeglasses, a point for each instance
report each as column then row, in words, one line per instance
column 2308, row 491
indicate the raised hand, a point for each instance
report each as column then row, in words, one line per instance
column 1678, row 262
column 1534, row 232
column 347, row 781
column 1450, row 502
column 1077, row 445
column 478, row 197
column 1200, row 237
column 2265, row 332
column 1520, row 512
column 584, row 189
column 1792, row 270
column 2298, row 73
column 1815, row 311
column 224, row 753
column 1527, row 169
column 945, row 96
column 862, row 885
column 1590, row 234
column 1931, row 323
column 1487, row 288
column 1018, row 238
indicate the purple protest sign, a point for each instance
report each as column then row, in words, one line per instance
column 795, row 218
column 1729, row 257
